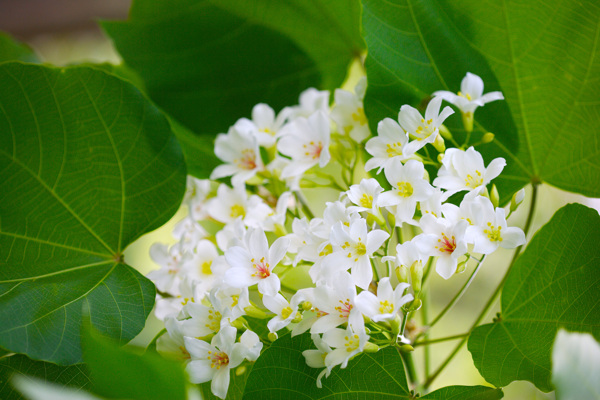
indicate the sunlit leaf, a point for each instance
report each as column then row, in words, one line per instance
column 87, row 165
column 553, row 284
column 550, row 133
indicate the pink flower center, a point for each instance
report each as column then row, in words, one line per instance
column 261, row 268
column 344, row 309
column 248, row 160
column 446, row 245
column 218, row 359
column 313, row 149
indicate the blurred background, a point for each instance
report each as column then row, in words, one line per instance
column 66, row 31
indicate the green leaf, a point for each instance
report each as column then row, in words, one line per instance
column 281, row 372
column 87, row 165
column 76, row 376
column 417, row 47
column 207, row 63
column 554, row 283
column 11, row 50
column 120, row 373
column 576, row 366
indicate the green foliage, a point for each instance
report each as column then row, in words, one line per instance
column 417, row 47
column 75, row 376
column 555, row 283
column 208, row 63
column 281, row 372
column 88, row 165
column 11, row 50
column 120, row 373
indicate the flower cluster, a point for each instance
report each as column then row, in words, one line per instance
column 358, row 267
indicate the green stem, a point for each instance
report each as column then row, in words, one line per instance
column 439, row 340
column 424, row 320
column 458, row 295
column 428, row 269
column 375, row 271
column 304, row 205
column 492, row 299
column 410, row 366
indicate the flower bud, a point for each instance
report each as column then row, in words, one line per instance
column 467, row 119
column 241, row 370
column 416, row 276
column 487, row 138
column 494, row 196
column 402, row 273
column 406, row 348
column 297, row 318
column 440, row 157
column 415, row 305
column 272, row 336
column 439, row 144
column 306, row 305
column 445, row 132
column 370, row 348
column 517, row 199
column 238, row 323
column 395, row 324
column 255, row 312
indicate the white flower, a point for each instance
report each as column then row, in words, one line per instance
column 232, row 203
column 471, row 94
column 353, row 249
column 255, row 264
column 306, row 141
column 444, row 240
column 432, row 204
column 386, row 305
column 464, row 170
column 172, row 342
column 206, row 266
column 252, row 345
column 311, row 100
column 335, row 304
column 316, row 358
column 425, row 130
column 490, row 231
column 346, row 343
column 284, row 311
column 365, row 195
column 267, row 125
column 231, row 301
column 305, row 241
column 214, row 361
column 409, row 187
column 239, row 150
column 276, row 219
column 188, row 232
column 391, row 143
column 349, row 114
column 205, row 320
column 171, row 260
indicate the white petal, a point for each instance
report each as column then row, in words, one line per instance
column 220, row 383
column 200, row 371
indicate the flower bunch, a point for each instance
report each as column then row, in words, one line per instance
column 361, row 261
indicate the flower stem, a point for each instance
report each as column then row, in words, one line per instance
column 439, row 340
column 492, row 299
column 458, row 295
column 304, row 205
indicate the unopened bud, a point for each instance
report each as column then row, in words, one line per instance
column 241, row 370
column 415, row 305
column 494, row 196
column 238, row 323
column 467, row 119
column 402, row 273
column 272, row 336
column 370, row 348
column 439, row 144
column 395, row 324
column 255, row 312
column 462, row 266
column 306, row 305
column 440, row 157
column 416, row 276
column 487, row 138
column 445, row 132
column 392, row 218
column 406, row 348
column 517, row 199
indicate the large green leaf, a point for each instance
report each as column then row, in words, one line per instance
column 550, row 134
column 207, row 63
column 87, row 165
column 11, row 50
column 76, row 376
column 120, row 373
column 281, row 372
column 555, row 283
